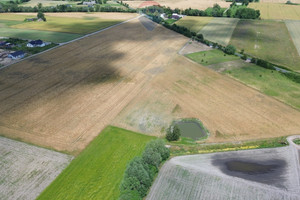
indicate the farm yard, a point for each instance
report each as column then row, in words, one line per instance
column 294, row 30
column 251, row 174
column 101, row 167
column 183, row 4
column 219, row 30
column 277, row 11
column 26, row 170
column 268, row 40
column 60, row 27
column 195, row 24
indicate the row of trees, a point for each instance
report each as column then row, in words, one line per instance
column 140, row 172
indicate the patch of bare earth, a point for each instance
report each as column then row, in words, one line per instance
column 193, row 46
column 26, row 170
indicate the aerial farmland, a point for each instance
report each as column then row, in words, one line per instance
column 149, row 99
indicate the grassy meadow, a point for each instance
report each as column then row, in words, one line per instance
column 268, row 40
column 219, row 30
column 211, row 57
column 277, row 10
column 195, row 24
column 98, row 170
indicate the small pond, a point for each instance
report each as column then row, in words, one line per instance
column 191, row 129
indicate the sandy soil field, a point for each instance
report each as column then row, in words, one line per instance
column 184, row 4
column 65, row 97
column 250, row 174
column 112, row 15
column 26, row 170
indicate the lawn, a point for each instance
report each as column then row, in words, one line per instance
column 211, row 57
column 268, row 40
column 294, row 30
column 277, row 10
column 69, row 25
column 195, row 24
column 219, row 30
column 269, row 82
column 98, row 170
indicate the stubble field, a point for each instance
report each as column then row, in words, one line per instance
column 277, row 10
column 133, row 78
column 195, row 24
column 294, row 29
column 26, row 170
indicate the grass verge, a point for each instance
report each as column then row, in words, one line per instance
column 178, row 149
column 211, row 57
column 98, row 170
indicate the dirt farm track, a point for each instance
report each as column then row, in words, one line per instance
column 125, row 76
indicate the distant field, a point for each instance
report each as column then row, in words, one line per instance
column 211, row 57
column 269, row 82
column 60, row 27
column 269, row 40
column 48, row 2
column 48, row 36
column 184, row 4
column 219, row 30
column 69, row 25
column 277, row 11
column 195, row 24
column 294, row 30
column 26, row 170
column 97, row 172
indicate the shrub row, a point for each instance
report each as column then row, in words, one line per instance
column 140, row 172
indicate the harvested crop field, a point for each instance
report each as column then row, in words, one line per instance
column 71, row 93
column 26, row 170
column 268, row 40
column 184, row 4
column 219, row 30
column 185, row 89
column 294, row 30
column 251, row 174
column 277, row 11
column 195, row 24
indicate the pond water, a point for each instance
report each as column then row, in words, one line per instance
column 191, row 129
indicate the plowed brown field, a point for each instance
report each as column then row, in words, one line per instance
column 133, row 78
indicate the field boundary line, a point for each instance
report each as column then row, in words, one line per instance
column 65, row 43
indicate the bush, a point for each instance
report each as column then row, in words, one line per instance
column 159, row 146
column 230, row 49
column 130, row 195
column 173, row 133
column 151, row 157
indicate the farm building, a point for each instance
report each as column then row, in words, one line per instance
column 16, row 55
column 176, row 16
column 36, row 43
column 89, row 3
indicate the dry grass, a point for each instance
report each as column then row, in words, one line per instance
column 195, row 24
column 277, row 11
column 184, row 4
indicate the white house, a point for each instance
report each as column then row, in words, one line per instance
column 36, row 43
column 89, row 3
column 16, row 55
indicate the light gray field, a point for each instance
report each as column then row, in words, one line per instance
column 294, row 29
column 26, row 170
column 219, row 30
column 203, row 177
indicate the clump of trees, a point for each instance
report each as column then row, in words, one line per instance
column 173, row 133
column 41, row 15
column 230, row 49
column 141, row 171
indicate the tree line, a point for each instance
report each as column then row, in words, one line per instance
column 140, row 171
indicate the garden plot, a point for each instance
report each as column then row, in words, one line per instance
column 219, row 30
column 251, row 174
column 26, row 170
column 294, row 30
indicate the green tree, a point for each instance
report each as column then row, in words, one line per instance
column 151, row 157
column 158, row 146
column 230, row 49
column 41, row 15
column 39, row 5
column 173, row 133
